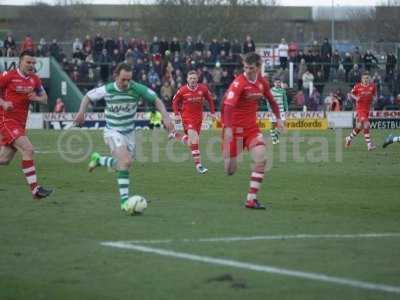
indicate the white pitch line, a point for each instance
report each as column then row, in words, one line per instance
column 258, row 268
column 271, row 237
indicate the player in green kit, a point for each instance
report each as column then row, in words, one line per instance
column 122, row 97
column 280, row 97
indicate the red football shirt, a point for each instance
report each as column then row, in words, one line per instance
column 15, row 88
column 190, row 101
column 243, row 96
column 366, row 94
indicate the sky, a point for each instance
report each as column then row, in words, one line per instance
column 281, row 2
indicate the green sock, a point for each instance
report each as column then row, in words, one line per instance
column 123, row 185
column 108, row 161
column 274, row 134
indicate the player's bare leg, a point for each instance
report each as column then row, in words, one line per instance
column 179, row 136
column 356, row 130
column 258, row 155
column 368, row 140
column 7, row 154
column 195, row 149
column 390, row 140
column 230, row 165
column 123, row 163
column 25, row 147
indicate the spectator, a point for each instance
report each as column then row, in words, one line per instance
column 357, row 57
column 236, row 50
column 347, row 65
column 315, row 102
column 293, row 51
column 110, row 45
column 121, row 45
column 43, row 48
column 319, row 82
column 78, row 53
column 354, row 75
column 283, row 52
column 175, row 46
column 59, row 107
column 87, row 45
column 332, row 103
column 390, row 62
column 377, row 79
column 164, row 47
column 215, row 49
column 104, row 60
column 308, row 86
column 153, row 76
column 249, row 45
column 98, row 44
column 143, row 79
column 226, row 46
column 336, row 60
column 369, row 60
column 341, row 73
column 167, row 93
column 301, row 71
column 55, row 50
column 28, row 44
column 199, row 45
column 188, row 46
column 326, row 66
column 77, row 45
column 154, row 118
column 9, row 43
column 326, row 49
column 155, row 46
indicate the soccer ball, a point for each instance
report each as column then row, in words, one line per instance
column 136, row 205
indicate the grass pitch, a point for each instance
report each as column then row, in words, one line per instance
column 52, row 249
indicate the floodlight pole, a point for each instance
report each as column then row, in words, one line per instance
column 333, row 25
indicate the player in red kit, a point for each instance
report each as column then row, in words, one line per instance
column 18, row 88
column 240, row 129
column 364, row 94
column 188, row 105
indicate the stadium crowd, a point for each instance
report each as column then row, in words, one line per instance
column 162, row 65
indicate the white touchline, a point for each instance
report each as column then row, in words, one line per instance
column 258, row 268
column 273, row 237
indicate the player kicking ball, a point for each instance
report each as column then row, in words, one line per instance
column 390, row 140
column 364, row 94
column 18, row 88
column 122, row 97
column 240, row 129
column 188, row 107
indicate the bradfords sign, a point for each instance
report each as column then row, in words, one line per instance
column 385, row 119
column 42, row 65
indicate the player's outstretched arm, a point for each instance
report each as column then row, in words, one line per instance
column 165, row 116
column 80, row 116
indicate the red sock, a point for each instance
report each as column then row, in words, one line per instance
column 28, row 167
column 195, row 153
column 367, row 136
column 255, row 182
column 355, row 132
column 184, row 138
column 256, row 178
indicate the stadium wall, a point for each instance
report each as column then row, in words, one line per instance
column 62, row 86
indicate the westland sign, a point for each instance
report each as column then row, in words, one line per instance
column 42, row 65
